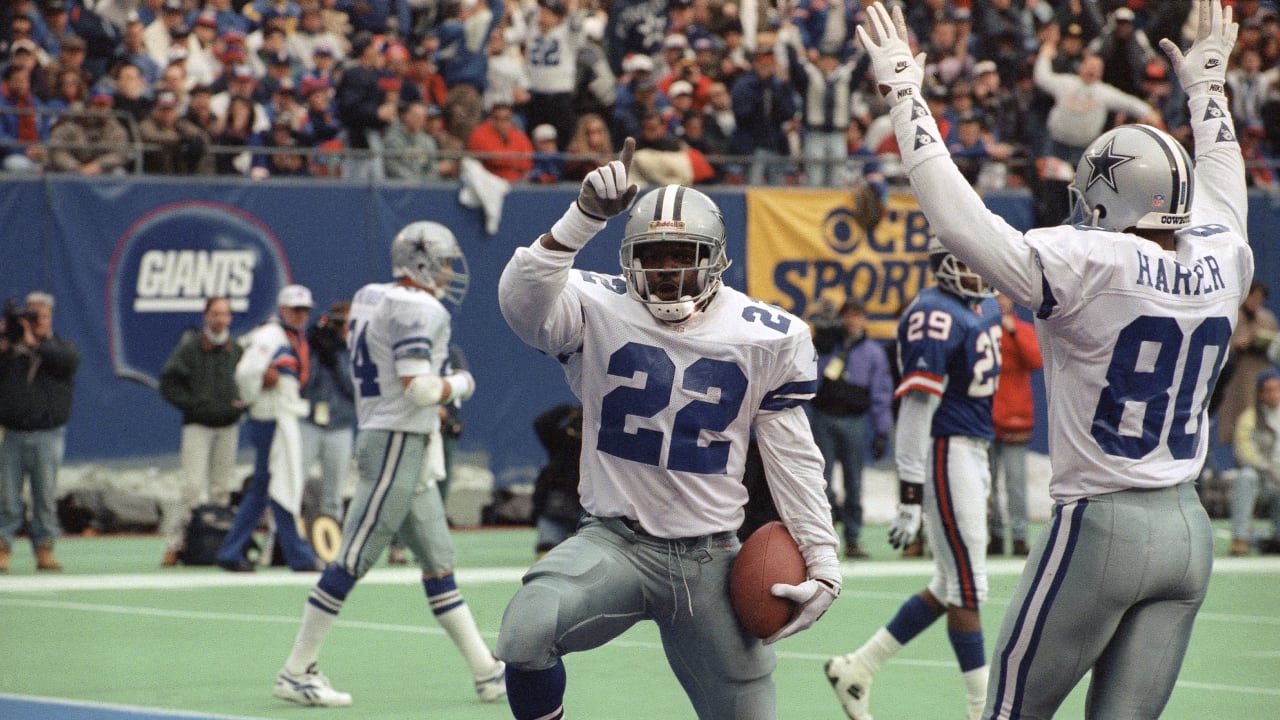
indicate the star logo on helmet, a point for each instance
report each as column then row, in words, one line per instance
column 1102, row 166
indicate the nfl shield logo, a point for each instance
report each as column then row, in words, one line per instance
column 1157, row 201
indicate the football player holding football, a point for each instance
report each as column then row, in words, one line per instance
column 1134, row 305
column 674, row 369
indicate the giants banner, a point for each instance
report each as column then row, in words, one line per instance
column 808, row 250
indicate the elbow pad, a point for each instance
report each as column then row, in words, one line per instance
column 425, row 390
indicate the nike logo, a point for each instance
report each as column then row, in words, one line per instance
column 902, row 65
column 1212, row 63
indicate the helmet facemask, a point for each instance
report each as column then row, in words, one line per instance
column 955, row 277
column 673, row 252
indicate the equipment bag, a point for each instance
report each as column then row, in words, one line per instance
column 209, row 525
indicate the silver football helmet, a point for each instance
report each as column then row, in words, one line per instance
column 428, row 254
column 674, row 214
column 954, row 276
column 1134, row 176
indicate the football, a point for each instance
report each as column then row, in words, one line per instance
column 769, row 556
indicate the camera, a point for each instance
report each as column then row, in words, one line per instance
column 14, row 314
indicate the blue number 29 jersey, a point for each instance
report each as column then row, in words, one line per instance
column 950, row 349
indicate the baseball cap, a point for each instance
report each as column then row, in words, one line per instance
column 985, row 66
column 207, row 19
column 322, row 50
column 72, row 42
column 166, row 100
column 313, row 84
column 22, row 44
column 1123, row 14
column 544, row 131
column 679, row 87
column 176, row 53
column 52, row 7
column 242, row 72
column 172, row 6
column 101, row 95
column 434, row 110
column 293, row 296
column 675, row 42
column 637, row 63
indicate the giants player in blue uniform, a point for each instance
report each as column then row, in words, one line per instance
column 398, row 333
column 1135, row 306
column 949, row 357
column 674, row 369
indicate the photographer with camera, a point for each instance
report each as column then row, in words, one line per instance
column 37, row 373
column 328, row 430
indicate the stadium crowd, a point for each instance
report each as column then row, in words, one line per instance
column 542, row 91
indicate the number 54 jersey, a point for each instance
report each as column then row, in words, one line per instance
column 668, row 409
column 1145, row 333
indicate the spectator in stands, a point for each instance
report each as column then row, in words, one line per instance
column 199, row 380
column 24, row 33
column 70, row 91
column 319, row 121
column 1082, row 103
column 643, row 99
column 380, row 17
column 24, row 127
column 1168, row 99
column 461, row 49
column 1258, row 162
column 411, row 151
column 595, row 85
column 25, row 54
column 763, row 109
column 199, row 111
column 450, row 145
column 279, row 72
column 555, row 37
column 310, row 36
column 978, row 155
column 680, row 97
column 720, row 120
column 229, row 19
column 507, row 80
column 71, row 59
column 548, row 161
column 734, row 58
column 688, row 71
column 655, row 134
column 202, row 64
column 1005, row 31
column 89, row 143
column 132, row 94
column 365, row 108
column 947, row 57
column 133, row 50
column 503, row 148
column 37, row 376
column 1257, row 447
column 285, row 102
column 1251, row 85
column 174, row 146
column 826, row 89
column 1125, row 52
column 422, row 73
column 826, row 26
column 158, row 35
column 236, row 130
column 54, row 14
column 283, row 162
column 589, row 148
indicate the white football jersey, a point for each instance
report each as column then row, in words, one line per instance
column 1144, row 333
column 667, row 409
column 395, row 331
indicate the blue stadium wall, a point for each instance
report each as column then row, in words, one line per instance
column 124, row 258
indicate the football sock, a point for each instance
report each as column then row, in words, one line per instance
column 975, row 687
column 454, row 616
column 536, row 694
column 913, row 617
column 878, row 649
column 318, row 616
column 968, row 649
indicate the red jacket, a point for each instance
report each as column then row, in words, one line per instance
column 517, row 159
column 1013, row 410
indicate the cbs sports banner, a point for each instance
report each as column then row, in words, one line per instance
column 810, row 250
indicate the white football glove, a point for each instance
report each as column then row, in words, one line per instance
column 461, row 385
column 1204, row 67
column 884, row 37
column 814, row 597
column 906, row 526
column 605, row 192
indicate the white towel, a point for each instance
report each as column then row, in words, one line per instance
column 483, row 189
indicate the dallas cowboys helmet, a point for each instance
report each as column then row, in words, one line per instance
column 1134, row 176
column 675, row 214
column 954, row 276
column 428, row 254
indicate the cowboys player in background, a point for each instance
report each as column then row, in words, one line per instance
column 1134, row 306
column 949, row 358
column 673, row 369
column 398, row 333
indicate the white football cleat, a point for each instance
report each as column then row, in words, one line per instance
column 850, row 677
column 494, row 685
column 309, row 688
